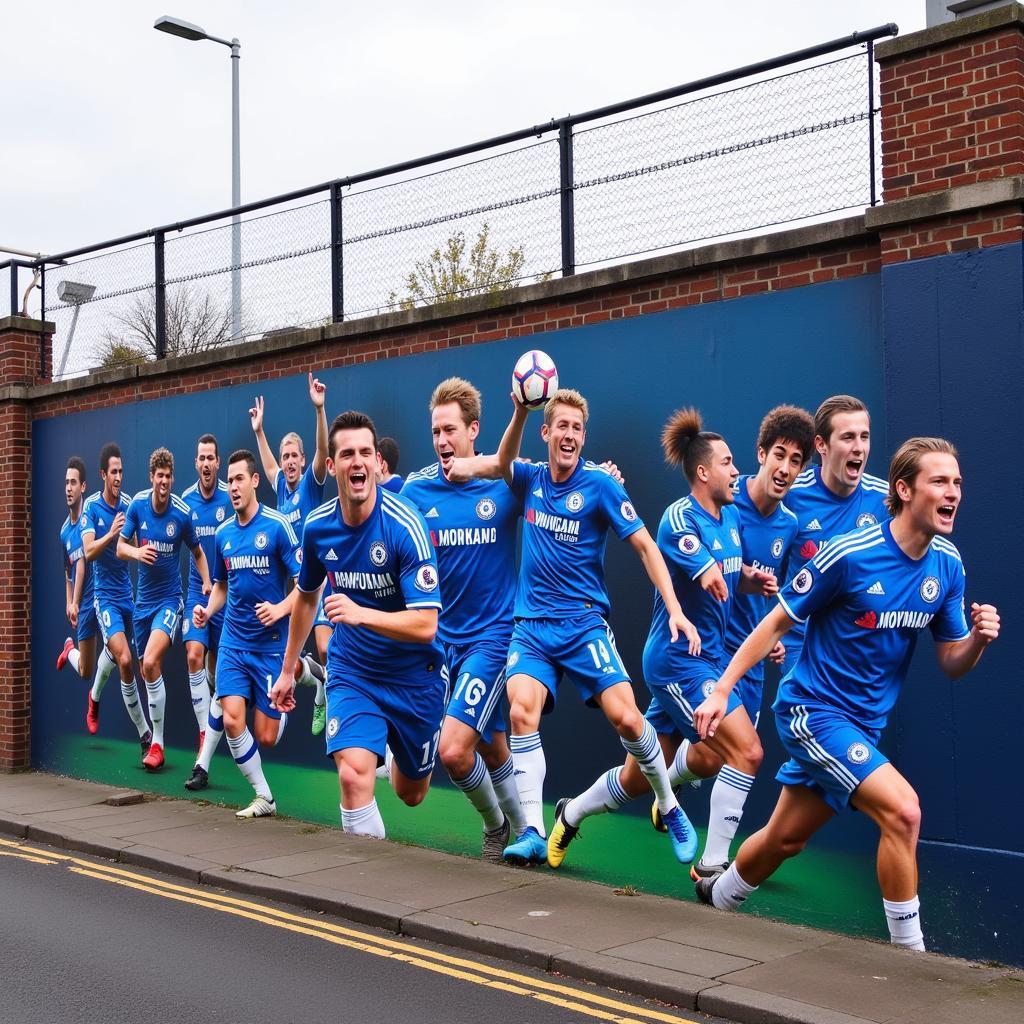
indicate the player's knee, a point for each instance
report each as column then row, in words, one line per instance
column 195, row 658
column 627, row 721
column 753, row 754
column 905, row 819
column 150, row 668
column 456, row 756
column 524, row 716
column 790, row 845
column 412, row 797
column 350, row 776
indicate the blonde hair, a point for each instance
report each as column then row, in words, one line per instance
column 906, row 464
column 160, row 459
column 455, row 389
column 292, row 436
column 566, row 396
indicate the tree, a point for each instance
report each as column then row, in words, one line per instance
column 451, row 274
column 195, row 323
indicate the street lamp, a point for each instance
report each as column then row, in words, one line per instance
column 186, row 30
column 74, row 293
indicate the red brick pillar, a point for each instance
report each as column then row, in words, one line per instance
column 952, row 102
column 24, row 351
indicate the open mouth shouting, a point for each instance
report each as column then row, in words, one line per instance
column 945, row 515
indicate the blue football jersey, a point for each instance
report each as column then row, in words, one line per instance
column 71, row 543
column 393, row 484
column 822, row 515
column 112, row 580
column 864, row 601
column 296, row 504
column 257, row 561
column 473, row 529
column 385, row 563
column 160, row 582
column 207, row 515
column 766, row 539
column 565, row 526
column 691, row 541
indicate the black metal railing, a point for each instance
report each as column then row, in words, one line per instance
column 579, row 191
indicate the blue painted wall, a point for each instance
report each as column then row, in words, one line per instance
column 734, row 360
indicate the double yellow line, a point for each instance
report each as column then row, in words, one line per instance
column 581, row 1001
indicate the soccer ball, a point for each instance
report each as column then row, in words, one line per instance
column 534, row 379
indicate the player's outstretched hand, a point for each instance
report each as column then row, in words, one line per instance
column 709, row 714
column 117, row 525
column 341, row 609
column 199, row 616
column 72, row 613
column 455, row 470
column 148, row 555
column 256, row 414
column 282, row 693
column 713, row 582
column 777, row 655
column 268, row 613
column 984, row 622
column 317, row 392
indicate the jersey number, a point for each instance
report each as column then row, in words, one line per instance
column 430, row 750
column 475, row 689
column 599, row 652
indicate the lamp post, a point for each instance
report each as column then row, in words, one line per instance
column 186, row 30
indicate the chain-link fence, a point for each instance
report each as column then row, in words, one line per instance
column 680, row 167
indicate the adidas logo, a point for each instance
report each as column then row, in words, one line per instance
column 813, row 525
column 716, row 546
column 539, row 493
column 330, row 556
column 145, row 525
column 876, row 588
column 432, row 514
column 471, row 712
column 227, row 547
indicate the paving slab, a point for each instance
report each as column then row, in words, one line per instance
column 293, row 864
column 998, row 1002
column 879, row 980
column 741, row 935
column 417, row 878
column 674, row 956
column 578, row 914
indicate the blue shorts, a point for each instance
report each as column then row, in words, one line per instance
column 828, row 753
column 249, row 674
column 750, row 690
column 477, row 672
column 208, row 635
column 88, row 625
column 321, row 616
column 162, row 617
column 370, row 715
column 114, row 619
column 583, row 647
column 672, row 706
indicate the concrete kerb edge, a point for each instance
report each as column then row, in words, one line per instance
column 748, row 1006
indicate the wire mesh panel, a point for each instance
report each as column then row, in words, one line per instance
column 99, row 305
column 777, row 150
column 390, row 232
column 283, row 271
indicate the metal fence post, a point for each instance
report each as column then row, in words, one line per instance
column 15, row 308
column 161, row 296
column 567, row 198
column 871, row 119
column 337, row 261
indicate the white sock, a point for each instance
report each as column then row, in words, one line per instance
column 480, row 791
column 246, row 752
column 280, row 727
column 651, row 762
column 200, row 697
column 130, row 694
column 363, row 821
column 678, row 773
column 730, row 891
column 214, row 731
column 606, row 794
column 105, row 664
column 904, row 921
column 728, row 795
column 530, row 769
column 74, row 657
column 507, row 793
column 156, row 695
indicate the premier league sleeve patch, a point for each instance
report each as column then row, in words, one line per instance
column 426, row 579
column 689, row 543
column 803, row 581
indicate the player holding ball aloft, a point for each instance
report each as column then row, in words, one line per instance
column 562, row 604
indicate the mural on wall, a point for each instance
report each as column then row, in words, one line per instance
column 734, row 361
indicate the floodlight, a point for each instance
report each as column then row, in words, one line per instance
column 75, row 292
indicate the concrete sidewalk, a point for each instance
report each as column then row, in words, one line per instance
column 733, row 965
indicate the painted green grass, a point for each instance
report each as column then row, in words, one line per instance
column 822, row 888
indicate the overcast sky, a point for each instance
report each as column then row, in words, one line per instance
column 111, row 127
